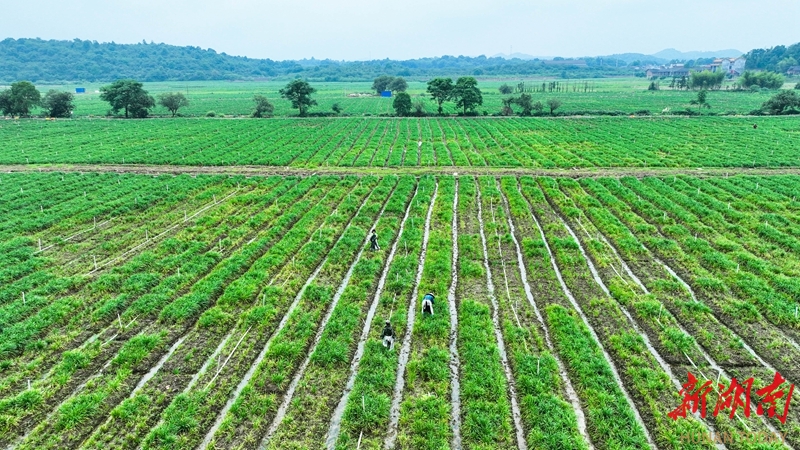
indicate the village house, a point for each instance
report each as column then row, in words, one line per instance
column 730, row 66
column 674, row 70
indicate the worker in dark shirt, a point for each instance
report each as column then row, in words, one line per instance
column 373, row 242
column 388, row 336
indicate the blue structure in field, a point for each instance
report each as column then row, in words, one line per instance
column 386, row 94
column 80, row 90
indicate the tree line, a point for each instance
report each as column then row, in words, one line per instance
column 129, row 98
column 712, row 81
column 776, row 59
column 22, row 98
column 83, row 60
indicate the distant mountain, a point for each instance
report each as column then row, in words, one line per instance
column 662, row 57
column 670, row 54
column 632, row 57
column 39, row 61
column 522, row 56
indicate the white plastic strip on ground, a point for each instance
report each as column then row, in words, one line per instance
column 571, row 394
column 159, row 235
column 284, row 320
column 578, row 309
column 68, row 238
column 287, row 398
column 208, row 362
column 694, row 297
column 501, row 346
column 336, row 421
column 405, row 350
column 455, row 363
column 151, row 373
column 645, row 338
column 712, row 363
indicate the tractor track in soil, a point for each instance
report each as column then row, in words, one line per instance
column 455, row 362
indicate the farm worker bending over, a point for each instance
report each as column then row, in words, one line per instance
column 388, row 336
column 427, row 304
column 373, row 241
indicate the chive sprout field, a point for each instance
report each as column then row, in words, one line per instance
column 181, row 311
column 418, row 142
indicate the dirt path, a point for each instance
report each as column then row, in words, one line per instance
column 515, row 409
column 336, row 420
column 455, row 363
column 572, row 395
column 638, row 172
column 287, row 398
column 591, row 330
column 405, row 350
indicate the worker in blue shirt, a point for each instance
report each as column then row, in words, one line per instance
column 427, row 303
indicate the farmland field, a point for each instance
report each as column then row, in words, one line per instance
column 202, row 311
column 625, row 95
column 425, row 142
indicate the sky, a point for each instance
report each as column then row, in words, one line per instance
column 408, row 29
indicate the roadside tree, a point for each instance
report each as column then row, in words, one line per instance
column 467, row 94
column 398, row 85
column 299, row 93
column 20, row 99
column 173, row 101
column 441, row 90
column 129, row 96
column 702, row 100
column 553, row 104
column 263, row 106
column 382, row 83
column 58, row 104
column 505, row 89
column 402, row 104
column 784, row 102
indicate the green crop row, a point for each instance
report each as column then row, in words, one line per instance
column 536, row 371
column 716, row 297
column 250, row 414
column 540, row 143
column 366, row 416
column 425, row 410
column 214, row 387
column 164, row 299
column 485, row 407
column 315, row 399
column 244, row 223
